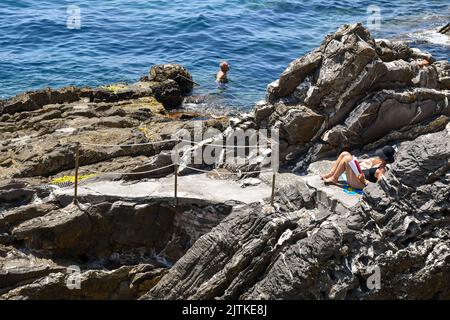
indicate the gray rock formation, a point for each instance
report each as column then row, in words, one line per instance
column 117, row 242
column 398, row 231
column 353, row 91
column 121, row 247
column 176, row 72
column 445, row 29
column 62, row 124
column 24, row 276
column 317, row 242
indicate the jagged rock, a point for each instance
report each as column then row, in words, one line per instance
column 214, row 254
column 424, row 161
column 117, row 232
column 400, row 228
column 62, row 231
column 360, row 91
column 190, row 153
column 145, row 279
column 176, row 72
column 121, row 91
column 410, row 132
column 103, row 228
column 126, row 282
column 317, row 241
column 300, row 124
column 17, row 268
column 128, row 122
column 116, row 122
column 263, row 111
column 34, row 100
column 13, row 217
column 169, row 94
column 385, row 112
column 443, row 70
column 160, row 160
column 392, row 50
column 295, row 73
column 445, row 29
column 337, row 72
column 15, row 192
column 58, row 153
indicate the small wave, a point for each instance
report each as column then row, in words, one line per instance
column 431, row 37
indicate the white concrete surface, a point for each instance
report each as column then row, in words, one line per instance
column 195, row 186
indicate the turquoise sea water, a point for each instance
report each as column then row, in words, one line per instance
column 118, row 40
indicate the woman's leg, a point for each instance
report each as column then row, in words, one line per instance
column 352, row 179
column 333, row 169
column 340, row 168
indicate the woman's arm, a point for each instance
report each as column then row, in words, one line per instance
column 362, row 179
column 380, row 172
column 365, row 164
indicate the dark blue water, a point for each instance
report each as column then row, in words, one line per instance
column 120, row 39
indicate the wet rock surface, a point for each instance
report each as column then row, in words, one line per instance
column 445, row 29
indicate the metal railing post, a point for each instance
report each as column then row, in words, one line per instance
column 176, row 173
column 176, row 185
column 77, row 164
column 273, row 188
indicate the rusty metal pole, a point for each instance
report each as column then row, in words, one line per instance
column 176, row 185
column 77, row 164
column 273, row 189
column 176, row 174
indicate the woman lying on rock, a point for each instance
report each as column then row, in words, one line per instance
column 371, row 169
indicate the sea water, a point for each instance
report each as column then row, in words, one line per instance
column 91, row 42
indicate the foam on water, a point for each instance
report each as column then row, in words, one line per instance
column 433, row 37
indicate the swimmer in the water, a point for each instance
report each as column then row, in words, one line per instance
column 221, row 76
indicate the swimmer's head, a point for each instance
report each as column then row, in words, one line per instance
column 224, row 66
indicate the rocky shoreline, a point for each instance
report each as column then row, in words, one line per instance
column 352, row 93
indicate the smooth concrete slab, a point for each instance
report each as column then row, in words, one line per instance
column 196, row 186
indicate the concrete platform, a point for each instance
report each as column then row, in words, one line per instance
column 195, row 186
